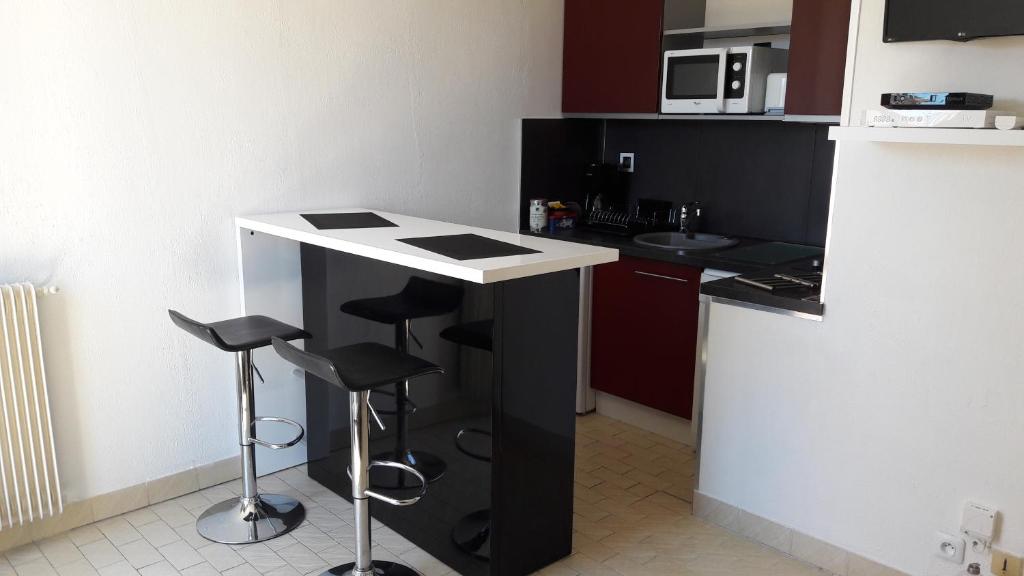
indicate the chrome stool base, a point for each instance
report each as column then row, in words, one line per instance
column 380, row 568
column 236, row 521
column 472, row 534
column 425, row 463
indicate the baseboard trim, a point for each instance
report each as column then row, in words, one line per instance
column 646, row 418
column 828, row 557
column 96, row 508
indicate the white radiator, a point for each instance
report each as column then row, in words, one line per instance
column 29, row 485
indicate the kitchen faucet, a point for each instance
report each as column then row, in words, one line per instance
column 690, row 218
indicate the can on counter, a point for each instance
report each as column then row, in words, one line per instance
column 538, row 214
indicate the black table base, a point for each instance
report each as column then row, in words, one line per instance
column 523, row 392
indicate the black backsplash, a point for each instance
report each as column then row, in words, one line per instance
column 759, row 179
column 555, row 154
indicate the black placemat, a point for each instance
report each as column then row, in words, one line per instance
column 347, row 220
column 468, row 246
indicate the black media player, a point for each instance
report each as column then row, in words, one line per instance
column 937, row 101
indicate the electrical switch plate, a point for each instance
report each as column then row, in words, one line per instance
column 979, row 522
column 1005, row 564
column 627, row 162
column 949, row 547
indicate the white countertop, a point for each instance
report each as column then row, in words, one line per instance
column 382, row 244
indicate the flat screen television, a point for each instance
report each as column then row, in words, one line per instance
column 912, row 20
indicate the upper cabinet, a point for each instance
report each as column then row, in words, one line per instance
column 612, row 56
column 817, row 57
column 613, row 49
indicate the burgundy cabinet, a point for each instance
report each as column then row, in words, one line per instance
column 612, row 56
column 817, row 57
column 644, row 333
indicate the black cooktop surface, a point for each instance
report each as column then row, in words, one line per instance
column 348, row 220
column 771, row 253
column 468, row 246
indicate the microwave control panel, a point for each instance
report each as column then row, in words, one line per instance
column 736, row 75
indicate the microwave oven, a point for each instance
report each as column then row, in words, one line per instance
column 718, row 80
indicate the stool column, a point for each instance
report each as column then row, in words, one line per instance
column 246, row 420
column 402, row 331
column 360, row 434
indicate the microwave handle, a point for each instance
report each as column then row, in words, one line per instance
column 720, row 100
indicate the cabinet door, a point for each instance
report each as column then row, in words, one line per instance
column 817, row 57
column 644, row 333
column 612, row 56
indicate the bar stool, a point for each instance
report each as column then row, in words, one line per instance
column 358, row 369
column 253, row 517
column 472, row 533
column 420, row 298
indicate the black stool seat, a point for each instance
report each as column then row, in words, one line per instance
column 420, row 298
column 358, row 367
column 473, row 334
column 238, row 334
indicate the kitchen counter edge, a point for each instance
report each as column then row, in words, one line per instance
column 725, row 291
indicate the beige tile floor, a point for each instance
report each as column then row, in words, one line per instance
column 633, row 516
column 633, row 513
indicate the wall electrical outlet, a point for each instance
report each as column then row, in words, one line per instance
column 627, row 162
column 949, row 547
column 1005, row 564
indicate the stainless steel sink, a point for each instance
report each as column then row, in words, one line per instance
column 678, row 241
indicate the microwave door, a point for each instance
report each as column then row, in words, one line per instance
column 695, row 81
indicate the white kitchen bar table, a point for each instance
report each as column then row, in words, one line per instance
column 509, row 344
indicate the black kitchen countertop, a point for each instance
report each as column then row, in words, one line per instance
column 627, row 247
column 789, row 299
column 800, row 299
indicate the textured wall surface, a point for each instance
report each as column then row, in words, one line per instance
column 871, row 429
column 743, row 12
column 134, row 131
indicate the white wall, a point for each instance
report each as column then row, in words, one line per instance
column 134, row 131
column 743, row 12
column 871, row 429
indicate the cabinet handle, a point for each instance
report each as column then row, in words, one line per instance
column 662, row 276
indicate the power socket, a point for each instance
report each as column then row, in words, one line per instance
column 627, row 162
column 1006, row 564
column 949, row 547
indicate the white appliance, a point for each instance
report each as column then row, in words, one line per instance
column 775, row 94
column 718, row 80
column 696, row 421
column 586, row 398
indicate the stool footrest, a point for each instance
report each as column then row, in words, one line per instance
column 397, row 501
column 272, row 445
column 410, row 409
column 467, row 451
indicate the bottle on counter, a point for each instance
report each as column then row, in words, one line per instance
column 538, row 215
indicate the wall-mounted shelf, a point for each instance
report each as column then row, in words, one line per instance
column 720, row 117
column 770, row 29
column 712, row 117
column 953, row 136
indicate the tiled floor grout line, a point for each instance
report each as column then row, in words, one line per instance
column 633, row 515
